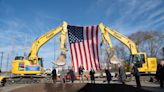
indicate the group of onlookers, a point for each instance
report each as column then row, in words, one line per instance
column 121, row 71
column 91, row 75
column 63, row 75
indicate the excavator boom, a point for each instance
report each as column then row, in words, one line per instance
column 129, row 43
column 45, row 38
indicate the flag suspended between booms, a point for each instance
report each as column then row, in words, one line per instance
column 84, row 47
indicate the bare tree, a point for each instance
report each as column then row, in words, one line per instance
column 150, row 42
column 121, row 51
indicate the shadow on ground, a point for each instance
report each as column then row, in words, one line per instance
column 110, row 88
column 77, row 87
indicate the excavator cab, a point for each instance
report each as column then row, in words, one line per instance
column 19, row 58
column 137, row 59
column 40, row 62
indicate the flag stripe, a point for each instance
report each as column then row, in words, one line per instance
column 74, row 45
column 96, row 41
column 85, row 56
column 97, row 47
column 80, row 54
column 88, row 44
column 72, row 57
column 93, row 50
column 86, row 47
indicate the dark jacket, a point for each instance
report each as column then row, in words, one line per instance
column 92, row 75
column 72, row 75
column 108, row 75
column 161, row 72
column 135, row 71
column 157, row 72
column 54, row 74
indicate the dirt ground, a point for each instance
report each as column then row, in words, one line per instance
column 49, row 87
column 78, row 87
column 100, row 86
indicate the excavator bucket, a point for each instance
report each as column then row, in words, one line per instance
column 61, row 60
column 113, row 59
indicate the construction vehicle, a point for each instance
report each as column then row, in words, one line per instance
column 32, row 66
column 147, row 65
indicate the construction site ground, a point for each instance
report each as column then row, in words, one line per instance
column 99, row 86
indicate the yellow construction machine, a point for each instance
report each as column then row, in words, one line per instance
column 32, row 67
column 148, row 65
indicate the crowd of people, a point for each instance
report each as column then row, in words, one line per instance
column 81, row 69
column 121, row 75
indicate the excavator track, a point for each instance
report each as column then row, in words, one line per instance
column 25, row 79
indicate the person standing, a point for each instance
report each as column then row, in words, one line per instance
column 72, row 75
column 92, row 75
column 63, row 75
column 161, row 74
column 136, row 74
column 157, row 72
column 108, row 75
column 122, row 75
column 81, row 75
column 54, row 75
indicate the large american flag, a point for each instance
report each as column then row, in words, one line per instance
column 84, row 47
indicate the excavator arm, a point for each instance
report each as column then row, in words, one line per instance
column 135, row 56
column 105, row 37
column 140, row 58
column 45, row 38
column 129, row 43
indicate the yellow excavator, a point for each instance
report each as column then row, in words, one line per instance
column 32, row 67
column 148, row 65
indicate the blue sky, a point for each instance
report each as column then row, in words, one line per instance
column 22, row 21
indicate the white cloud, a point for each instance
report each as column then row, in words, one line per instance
column 155, row 14
column 157, row 21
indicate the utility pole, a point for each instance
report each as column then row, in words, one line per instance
column 163, row 52
column 1, row 60
column 25, row 45
column 54, row 50
column 7, row 62
column 13, row 47
column 54, row 54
